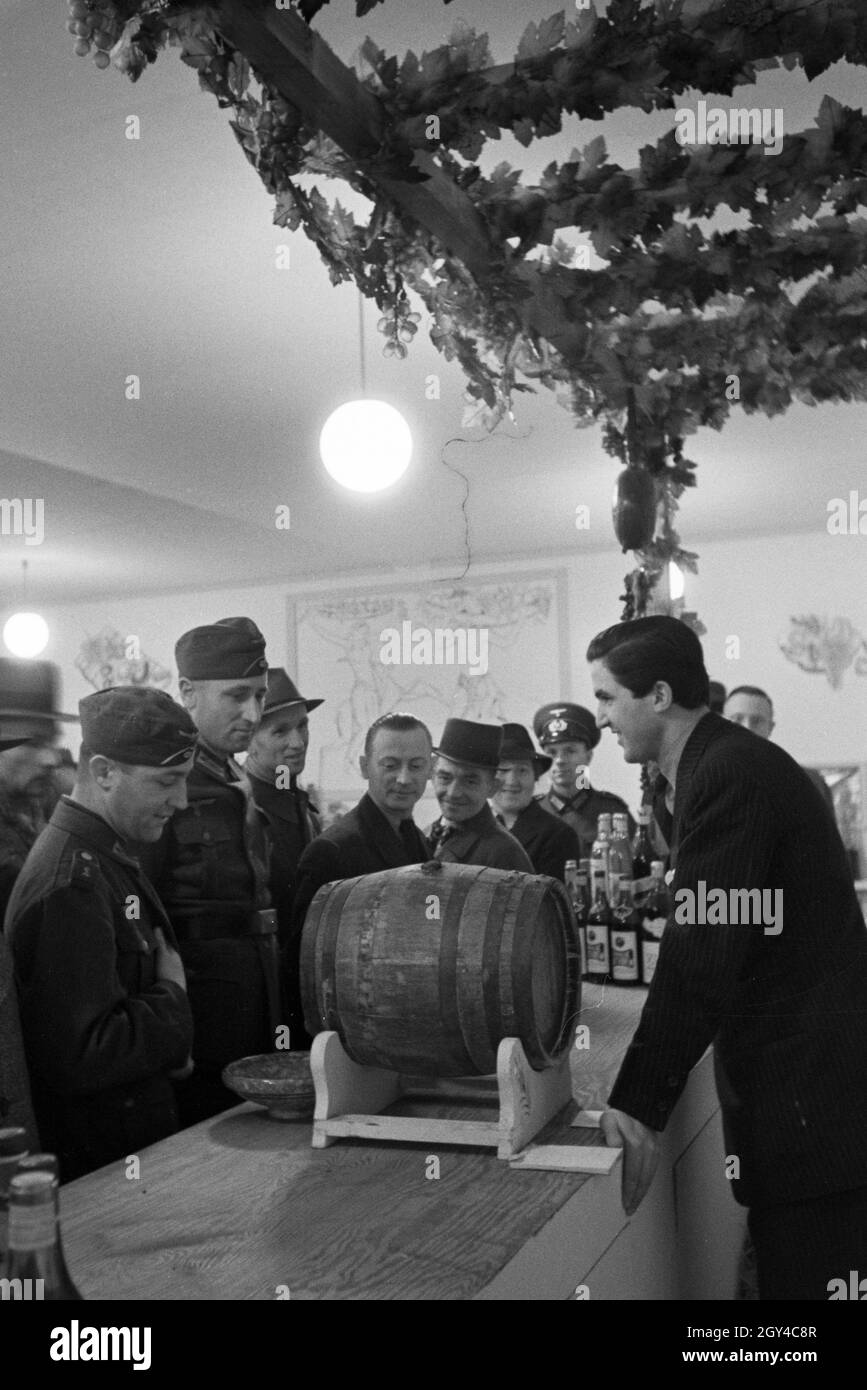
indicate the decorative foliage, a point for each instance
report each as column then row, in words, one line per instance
column 826, row 646
column 679, row 321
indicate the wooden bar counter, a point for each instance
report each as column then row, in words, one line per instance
column 241, row 1207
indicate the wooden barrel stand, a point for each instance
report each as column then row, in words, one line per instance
column 350, row 1099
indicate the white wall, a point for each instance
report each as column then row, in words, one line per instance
column 748, row 589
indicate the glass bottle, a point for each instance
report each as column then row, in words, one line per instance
column 13, row 1147
column 35, row 1248
column 654, row 915
column 599, row 866
column 624, row 934
column 598, row 945
column 577, row 887
column 642, row 857
column 619, row 854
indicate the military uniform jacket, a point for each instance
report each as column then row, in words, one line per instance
column 548, row 840
column 293, row 822
column 100, row 1030
column 582, row 812
column 211, row 870
column 787, row 1011
column 479, row 840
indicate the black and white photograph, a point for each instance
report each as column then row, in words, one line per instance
column 433, row 668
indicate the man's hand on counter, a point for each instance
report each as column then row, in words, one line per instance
column 640, row 1146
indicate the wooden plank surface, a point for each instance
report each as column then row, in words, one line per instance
column 241, row 1205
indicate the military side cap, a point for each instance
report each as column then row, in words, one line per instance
column 464, row 741
column 282, row 692
column 137, row 725
column 565, row 723
column 518, row 748
column 230, row 649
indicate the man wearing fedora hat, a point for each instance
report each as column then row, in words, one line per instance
column 28, row 728
column 104, row 1012
column 464, row 777
column 548, row 840
column 275, row 760
column 567, row 733
column 211, row 866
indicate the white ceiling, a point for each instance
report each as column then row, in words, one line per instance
column 157, row 257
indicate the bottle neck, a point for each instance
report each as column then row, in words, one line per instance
column 33, row 1226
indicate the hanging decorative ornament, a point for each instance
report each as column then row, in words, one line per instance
column 634, row 508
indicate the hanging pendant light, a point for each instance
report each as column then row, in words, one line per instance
column 366, row 445
column 25, row 634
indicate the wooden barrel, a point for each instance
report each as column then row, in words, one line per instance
column 425, row 969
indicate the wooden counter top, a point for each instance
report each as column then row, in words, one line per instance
column 241, row 1207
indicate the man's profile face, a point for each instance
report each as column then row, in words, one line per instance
column 225, row 712
column 281, row 740
column 461, row 789
column 631, row 718
column 568, row 758
column 26, row 770
column 752, row 712
column 140, row 800
column 397, row 769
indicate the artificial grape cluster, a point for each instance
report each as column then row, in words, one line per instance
column 95, row 24
column 399, row 326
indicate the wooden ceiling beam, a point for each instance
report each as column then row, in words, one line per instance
column 298, row 62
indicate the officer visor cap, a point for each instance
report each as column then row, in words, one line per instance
column 563, row 722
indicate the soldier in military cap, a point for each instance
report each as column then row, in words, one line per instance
column 211, row 865
column 104, row 1012
column 568, row 734
column 547, row 839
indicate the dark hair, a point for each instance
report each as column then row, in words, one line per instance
column 400, row 723
column 752, row 690
column 64, row 758
column 642, row 651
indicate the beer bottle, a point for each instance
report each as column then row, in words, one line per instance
column 35, row 1248
column 599, row 866
column 579, row 896
column 654, row 915
column 625, row 930
column 598, row 946
column 642, row 857
column 619, row 854
column 13, row 1147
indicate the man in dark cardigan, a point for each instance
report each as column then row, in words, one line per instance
column 548, row 840
column 379, row 833
column 782, row 997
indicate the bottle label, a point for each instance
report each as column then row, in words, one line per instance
column 654, row 926
column 641, row 888
column 597, row 950
column 624, row 956
column 649, row 957
column 31, row 1228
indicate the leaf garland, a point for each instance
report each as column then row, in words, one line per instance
column 680, row 322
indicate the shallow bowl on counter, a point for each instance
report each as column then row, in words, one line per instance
column 281, row 1081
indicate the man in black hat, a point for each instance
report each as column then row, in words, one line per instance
column 548, row 840
column 275, row 760
column 104, row 1011
column 378, row 833
column 464, row 777
column 211, row 866
column 568, row 734
column 28, row 727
